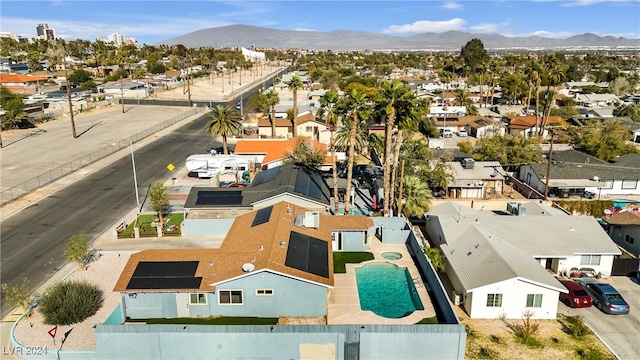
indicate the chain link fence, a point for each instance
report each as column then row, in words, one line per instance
column 41, row 180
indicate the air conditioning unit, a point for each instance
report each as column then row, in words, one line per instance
column 457, row 298
column 312, row 219
column 468, row 163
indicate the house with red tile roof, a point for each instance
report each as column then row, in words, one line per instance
column 276, row 261
column 276, row 151
column 21, row 84
column 527, row 125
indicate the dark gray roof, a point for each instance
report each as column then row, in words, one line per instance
column 573, row 164
column 575, row 156
column 629, row 160
column 298, row 180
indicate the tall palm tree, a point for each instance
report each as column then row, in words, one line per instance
column 462, row 98
column 392, row 95
column 355, row 108
column 494, row 69
column 294, row 84
column 329, row 101
column 408, row 114
column 224, row 121
column 362, row 142
column 555, row 76
column 272, row 100
column 533, row 78
column 482, row 68
column 416, row 197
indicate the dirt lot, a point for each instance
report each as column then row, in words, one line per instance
column 492, row 339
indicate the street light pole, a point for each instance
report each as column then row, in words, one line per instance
column 135, row 177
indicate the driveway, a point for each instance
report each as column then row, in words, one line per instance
column 619, row 332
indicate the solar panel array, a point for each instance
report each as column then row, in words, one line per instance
column 205, row 197
column 262, row 216
column 308, row 254
column 265, row 176
column 308, row 183
column 165, row 275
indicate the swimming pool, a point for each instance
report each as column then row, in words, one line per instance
column 387, row 290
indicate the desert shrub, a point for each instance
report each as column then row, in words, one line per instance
column 525, row 329
column 577, row 327
column 71, row 302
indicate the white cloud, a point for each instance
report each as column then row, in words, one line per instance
column 426, row 26
column 484, row 28
column 591, row 2
column 303, row 29
column 544, row 34
column 451, row 5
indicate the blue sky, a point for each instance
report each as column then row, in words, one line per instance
column 152, row 21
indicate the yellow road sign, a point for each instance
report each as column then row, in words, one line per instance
column 170, row 167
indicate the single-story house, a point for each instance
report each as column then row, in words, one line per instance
column 284, row 128
column 21, row 83
column 590, row 100
column 273, row 262
column 502, row 265
column 572, row 172
column 276, row 151
column 475, row 179
column 527, row 125
column 624, row 229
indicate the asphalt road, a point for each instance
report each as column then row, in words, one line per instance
column 32, row 240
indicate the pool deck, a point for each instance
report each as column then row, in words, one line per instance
column 344, row 302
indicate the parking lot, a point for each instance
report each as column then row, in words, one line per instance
column 621, row 333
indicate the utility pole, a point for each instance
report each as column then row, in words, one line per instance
column 66, row 79
column 189, row 85
column 401, row 186
column 121, row 95
column 546, row 184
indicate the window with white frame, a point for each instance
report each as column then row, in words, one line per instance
column 197, row 299
column 230, row 297
column 308, row 129
column 534, row 300
column 590, row 259
column 629, row 184
column 264, row 292
column 494, row 300
column 629, row 239
column 606, row 184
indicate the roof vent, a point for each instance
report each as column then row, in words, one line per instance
column 283, row 243
column 248, row 267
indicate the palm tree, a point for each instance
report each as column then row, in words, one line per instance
column 494, row 69
column 482, row 68
column 356, row 109
column 416, row 197
column 362, row 142
column 462, row 98
column 224, row 121
column 392, row 95
column 329, row 101
column 294, row 84
column 272, row 100
column 555, row 76
column 533, row 78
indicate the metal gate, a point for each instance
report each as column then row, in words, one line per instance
column 625, row 266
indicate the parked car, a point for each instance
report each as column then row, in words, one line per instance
column 607, row 298
column 447, row 133
column 462, row 133
column 577, row 296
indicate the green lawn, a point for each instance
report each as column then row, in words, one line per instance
column 431, row 320
column 225, row 320
column 144, row 223
column 341, row 258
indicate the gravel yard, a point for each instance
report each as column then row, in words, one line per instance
column 31, row 331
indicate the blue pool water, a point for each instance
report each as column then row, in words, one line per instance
column 387, row 290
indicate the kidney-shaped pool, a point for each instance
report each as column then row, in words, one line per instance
column 387, row 290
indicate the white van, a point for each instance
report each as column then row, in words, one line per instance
column 462, row 133
column 446, row 133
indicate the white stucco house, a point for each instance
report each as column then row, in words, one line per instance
column 502, row 265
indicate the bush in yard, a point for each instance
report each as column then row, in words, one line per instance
column 18, row 295
column 71, row 302
column 77, row 249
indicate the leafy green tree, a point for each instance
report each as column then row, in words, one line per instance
column 71, row 302
column 508, row 150
column 465, row 146
column 88, row 85
column 604, row 140
column 18, row 295
column 258, row 103
column 159, row 200
column 305, row 153
column 620, row 86
column 473, row 53
column 272, row 99
column 416, row 197
column 436, row 257
column 224, row 121
column 630, row 110
column 294, row 84
column 77, row 249
column 79, row 76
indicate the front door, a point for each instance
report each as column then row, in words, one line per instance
column 182, row 304
column 549, row 264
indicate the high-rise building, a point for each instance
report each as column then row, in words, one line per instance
column 50, row 34
column 40, row 29
column 116, row 39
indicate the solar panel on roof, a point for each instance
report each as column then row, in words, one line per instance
column 265, row 176
column 219, row 198
column 165, row 275
column 308, row 184
column 262, row 216
column 308, row 254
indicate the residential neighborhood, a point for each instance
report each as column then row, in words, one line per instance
column 193, row 201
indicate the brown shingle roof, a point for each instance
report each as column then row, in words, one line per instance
column 527, row 122
column 259, row 245
column 623, row 218
column 280, row 122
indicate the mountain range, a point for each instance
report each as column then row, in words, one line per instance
column 247, row 36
